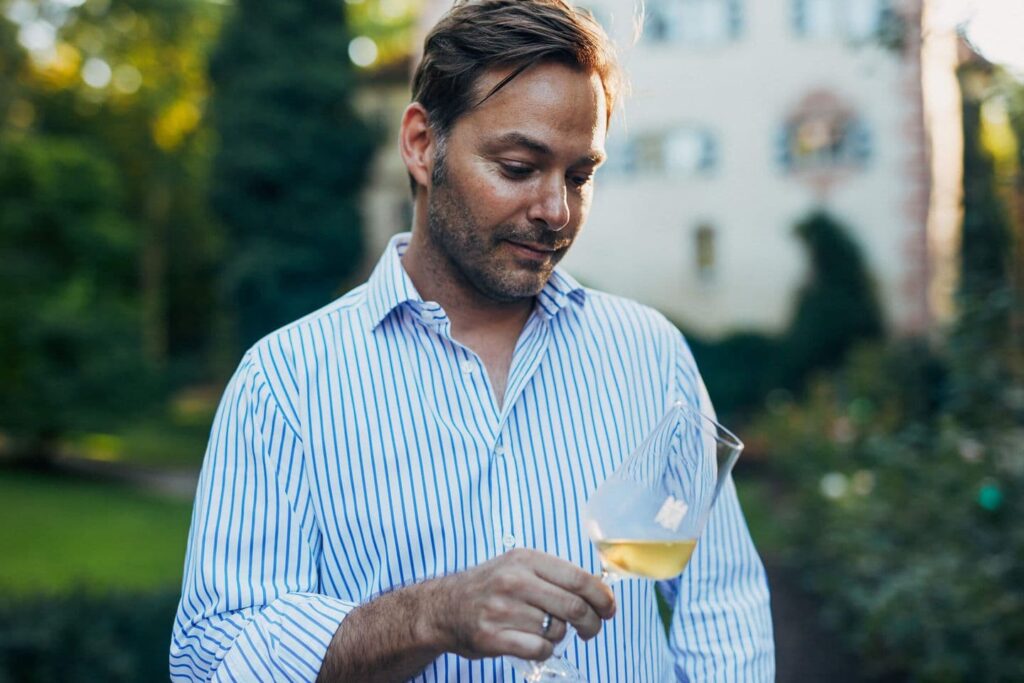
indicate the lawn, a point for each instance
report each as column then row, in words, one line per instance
column 60, row 534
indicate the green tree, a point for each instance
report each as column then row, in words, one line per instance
column 69, row 332
column 149, row 119
column 11, row 63
column 292, row 159
column 836, row 308
column 980, row 339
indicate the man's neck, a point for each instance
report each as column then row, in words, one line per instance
column 472, row 314
column 490, row 328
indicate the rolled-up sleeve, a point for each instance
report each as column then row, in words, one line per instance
column 250, row 608
column 721, row 625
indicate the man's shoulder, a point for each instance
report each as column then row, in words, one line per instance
column 603, row 308
column 317, row 330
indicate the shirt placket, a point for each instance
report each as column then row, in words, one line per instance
column 506, row 462
column 506, row 516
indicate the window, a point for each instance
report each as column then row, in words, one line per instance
column 823, row 134
column 693, row 22
column 686, row 150
column 850, row 19
column 704, row 249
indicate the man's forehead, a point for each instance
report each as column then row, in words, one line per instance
column 495, row 83
column 543, row 109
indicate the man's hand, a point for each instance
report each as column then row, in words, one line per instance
column 494, row 609
column 498, row 608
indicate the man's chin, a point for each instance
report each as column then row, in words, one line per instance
column 515, row 291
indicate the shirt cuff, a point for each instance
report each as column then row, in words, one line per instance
column 286, row 641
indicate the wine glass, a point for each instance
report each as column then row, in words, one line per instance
column 646, row 517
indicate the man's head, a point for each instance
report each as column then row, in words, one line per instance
column 510, row 112
column 477, row 36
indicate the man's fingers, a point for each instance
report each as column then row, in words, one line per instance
column 518, row 590
column 556, row 632
column 563, row 606
column 574, row 580
column 524, row 645
column 576, row 611
column 535, row 621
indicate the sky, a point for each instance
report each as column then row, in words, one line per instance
column 994, row 27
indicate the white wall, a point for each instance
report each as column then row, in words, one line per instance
column 639, row 240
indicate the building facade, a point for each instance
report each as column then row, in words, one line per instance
column 742, row 118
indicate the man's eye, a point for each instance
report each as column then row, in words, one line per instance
column 516, row 170
column 582, row 180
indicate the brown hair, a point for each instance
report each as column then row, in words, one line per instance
column 478, row 35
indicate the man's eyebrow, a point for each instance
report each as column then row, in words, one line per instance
column 517, row 139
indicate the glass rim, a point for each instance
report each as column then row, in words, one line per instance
column 722, row 434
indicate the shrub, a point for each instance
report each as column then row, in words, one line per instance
column 905, row 520
column 85, row 638
column 739, row 370
column 835, row 309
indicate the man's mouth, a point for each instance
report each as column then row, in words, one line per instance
column 532, row 250
column 534, row 246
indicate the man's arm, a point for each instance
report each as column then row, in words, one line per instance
column 250, row 608
column 494, row 609
column 721, row 623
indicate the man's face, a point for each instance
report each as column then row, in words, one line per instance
column 513, row 181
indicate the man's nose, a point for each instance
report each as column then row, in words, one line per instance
column 551, row 208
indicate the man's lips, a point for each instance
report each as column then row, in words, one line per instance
column 531, row 250
column 533, row 246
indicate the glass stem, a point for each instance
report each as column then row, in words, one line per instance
column 608, row 578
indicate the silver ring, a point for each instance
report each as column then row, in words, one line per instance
column 545, row 625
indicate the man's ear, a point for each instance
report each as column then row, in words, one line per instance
column 417, row 144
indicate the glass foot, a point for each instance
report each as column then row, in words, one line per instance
column 554, row 669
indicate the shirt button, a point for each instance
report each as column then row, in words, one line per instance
column 501, row 451
column 468, row 366
column 509, row 541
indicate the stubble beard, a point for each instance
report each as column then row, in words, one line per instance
column 471, row 252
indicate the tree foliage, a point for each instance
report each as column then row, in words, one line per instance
column 982, row 336
column 107, row 247
column 69, row 332
column 292, row 158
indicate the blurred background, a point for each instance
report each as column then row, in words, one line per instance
column 825, row 195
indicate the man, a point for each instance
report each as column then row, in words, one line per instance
column 393, row 484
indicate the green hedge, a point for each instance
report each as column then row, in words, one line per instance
column 85, row 638
column 905, row 520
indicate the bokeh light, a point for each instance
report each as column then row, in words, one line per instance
column 96, row 73
column 362, row 51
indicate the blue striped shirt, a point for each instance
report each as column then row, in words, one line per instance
column 361, row 448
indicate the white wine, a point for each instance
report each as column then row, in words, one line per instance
column 649, row 559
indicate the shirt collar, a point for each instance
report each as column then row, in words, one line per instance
column 561, row 290
column 390, row 286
